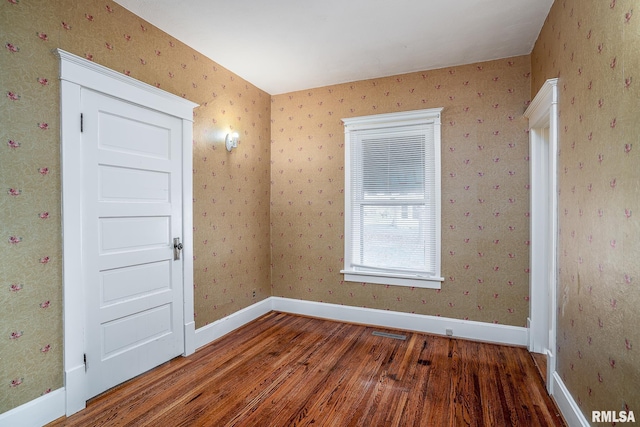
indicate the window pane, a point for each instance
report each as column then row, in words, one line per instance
column 394, row 236
column 393, row 166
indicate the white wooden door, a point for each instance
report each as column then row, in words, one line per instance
column 133, row 286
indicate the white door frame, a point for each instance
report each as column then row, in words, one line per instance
column 77, row 73
column 543, row 157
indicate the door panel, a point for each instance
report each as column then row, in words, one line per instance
column 132, row 200
column 120, row 135
column 117, row 260
column 121, row 184
column 132, row 331
column 126, row 283
column 118, row 234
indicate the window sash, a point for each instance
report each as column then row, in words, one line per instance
column 382, row 240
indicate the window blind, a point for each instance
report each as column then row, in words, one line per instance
column 393, row 218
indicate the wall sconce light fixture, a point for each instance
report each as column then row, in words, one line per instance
column 231, row 141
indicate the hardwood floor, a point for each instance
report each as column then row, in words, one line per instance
column 286, row 370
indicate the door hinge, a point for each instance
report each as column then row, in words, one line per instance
column 85, row 362
column 81, row 123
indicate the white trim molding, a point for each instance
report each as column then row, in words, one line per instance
column 466, row 329
column 93, row 76
column 77, row 73
column 567, row 405
column 37, row 412
column 213, row 331
column 539, row 108
column 543, row 152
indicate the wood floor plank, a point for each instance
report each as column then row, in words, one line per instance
column 287, row 370
column 361, row 372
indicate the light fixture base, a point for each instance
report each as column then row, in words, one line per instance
column 231, row 141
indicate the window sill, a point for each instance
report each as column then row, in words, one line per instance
column 393, row 279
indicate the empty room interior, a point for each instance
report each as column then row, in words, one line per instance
column 282, row 267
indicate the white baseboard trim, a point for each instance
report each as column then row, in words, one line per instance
column 37, row 412
column 75, row 386
column 467, row 329
column 568, row 407
column 219, row 328
column 189, row 338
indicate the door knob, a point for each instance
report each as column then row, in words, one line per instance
column 177, row 248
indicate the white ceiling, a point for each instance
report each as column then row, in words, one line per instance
column 287, row 45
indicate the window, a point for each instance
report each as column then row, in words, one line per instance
column 392, row 199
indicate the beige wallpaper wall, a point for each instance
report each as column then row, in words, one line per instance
column 231, row 191
column 485, row 193
column 279, row 197
column 592, row 46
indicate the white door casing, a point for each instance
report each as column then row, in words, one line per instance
column 80, row 77
column 543, row 149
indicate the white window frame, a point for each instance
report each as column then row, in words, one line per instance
column 389, row 121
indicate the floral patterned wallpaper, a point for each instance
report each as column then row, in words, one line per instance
column 485, row 182
column 593, row 47
column 231, row 190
